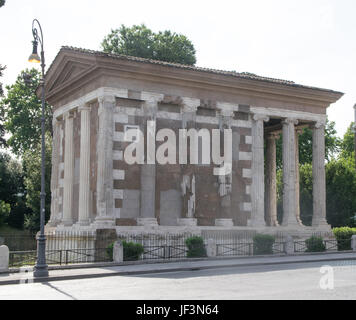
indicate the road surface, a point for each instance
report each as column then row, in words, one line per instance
column 289, row 281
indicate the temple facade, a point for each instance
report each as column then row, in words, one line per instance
column 99, row 98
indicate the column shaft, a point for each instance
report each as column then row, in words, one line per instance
column 271, row 181
column 148, row 170
column 68, row 171
column 297, row 177
column 319, row 197
column 84, row 182
column 189, row 108
column 258, row 183
column 105, row 200
column 289, row 173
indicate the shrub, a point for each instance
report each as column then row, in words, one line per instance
column 132, row 250
column 315, row 244
column 110, row 250
column 196, row 247
column 263, row 244
column 343, row 236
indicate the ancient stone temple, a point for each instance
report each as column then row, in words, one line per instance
column 99, row 98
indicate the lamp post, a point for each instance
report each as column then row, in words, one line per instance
column 41, row 268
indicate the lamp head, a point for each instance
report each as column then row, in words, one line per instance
column 34, row 57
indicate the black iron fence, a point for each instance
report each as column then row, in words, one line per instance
column 78, row 247
column 60, row 257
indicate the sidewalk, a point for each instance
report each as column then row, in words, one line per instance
column 104, row 270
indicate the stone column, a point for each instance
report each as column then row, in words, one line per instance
column 84, row 182
column 225, row 181
column 271, row 180
column 258, row 183
column 189, row 109
column 297, row 179
column 289, row 173
column 54, row 219
column 104, row 188
column 148, row 170
column 68, row 171
column 319, row 197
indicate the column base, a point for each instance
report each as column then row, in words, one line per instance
column 190, row 222
column 256, row 223
column 224, row 223
column 147, row 222
column 104, row 222
column 322, row 224
column 83, row 223
column 66, row 223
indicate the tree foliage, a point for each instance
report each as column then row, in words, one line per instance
column 2, row 2
column 348, row 142
column 139, row 41
column 4, row 212
column 21, row 111
column 340, row 192
column 12, row 189
column 32, row 168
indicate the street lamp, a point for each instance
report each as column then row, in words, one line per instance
column 41, row 268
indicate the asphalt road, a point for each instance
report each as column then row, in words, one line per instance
column 290, row 281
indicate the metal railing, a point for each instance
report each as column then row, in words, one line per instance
column 59, row 257
column 63, row 249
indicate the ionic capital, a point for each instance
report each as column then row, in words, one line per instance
column 68, row 115
column 260, row 117
column 151, row 97
column 288, row 121
column 318, row 125
column 106, row 98
column 190, row 104
column 83, row 107
column 226, row 109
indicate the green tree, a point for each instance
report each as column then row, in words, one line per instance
column 12, row 189
column 340, row 192
column 348, row 142
column 21, row 111
column 139, row 41
column 2, row 2
column 4, row 212
column 32, row 168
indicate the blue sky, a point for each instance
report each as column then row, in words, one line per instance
column 311, row 42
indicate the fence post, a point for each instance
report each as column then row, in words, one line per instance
column 211, row 248
column 4, row 258
column 289, row 245
column 118, row 252
column 353, row 242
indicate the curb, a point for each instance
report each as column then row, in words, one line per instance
column 166, row 270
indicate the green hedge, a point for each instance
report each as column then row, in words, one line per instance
column 343, row 236
column 132, row 250
column 315, row 244
column 196, row 248
column 263, row 244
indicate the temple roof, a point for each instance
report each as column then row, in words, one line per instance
column 241, row 75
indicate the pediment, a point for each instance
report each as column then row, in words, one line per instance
column 69, row 70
